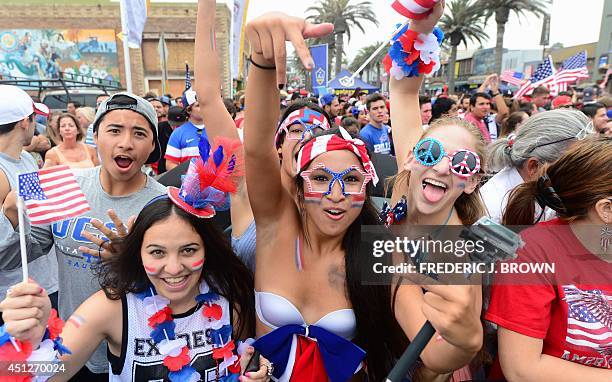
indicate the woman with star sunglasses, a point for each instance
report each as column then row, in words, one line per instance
column 309, row 295
column 300, row 120
column 315, row 319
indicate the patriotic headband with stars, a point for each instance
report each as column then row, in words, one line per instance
column 332, row 142
column 414, row 9
column 305, row 115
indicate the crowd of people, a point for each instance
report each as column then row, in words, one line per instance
column 150, row 288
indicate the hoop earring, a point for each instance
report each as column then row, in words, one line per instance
column 606, row 238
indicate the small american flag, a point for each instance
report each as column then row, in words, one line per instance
column 589, row 325
column 512, row 77
column 574, row 68
column 52, row 194
column 187, row 77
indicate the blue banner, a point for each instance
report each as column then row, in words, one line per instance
column 319, row 73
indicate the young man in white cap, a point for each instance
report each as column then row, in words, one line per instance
column 183, row 143
column 17, row 125
column 125, row 131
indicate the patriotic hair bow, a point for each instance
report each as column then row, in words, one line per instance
column 332, row 142
column 210, row 178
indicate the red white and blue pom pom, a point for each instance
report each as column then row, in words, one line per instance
column 414, row 9
column 413, row 53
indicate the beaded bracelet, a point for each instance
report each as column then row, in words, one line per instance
column 413, row 53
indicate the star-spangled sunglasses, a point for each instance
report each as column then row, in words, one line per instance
column 321, row 180
column 463, row 162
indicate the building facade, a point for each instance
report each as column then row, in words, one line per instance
column 176, row 21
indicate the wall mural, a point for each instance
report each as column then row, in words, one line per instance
column 43, row 53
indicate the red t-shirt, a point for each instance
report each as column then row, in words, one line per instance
column 570, row 310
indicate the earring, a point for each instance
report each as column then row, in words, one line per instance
column 606, row 238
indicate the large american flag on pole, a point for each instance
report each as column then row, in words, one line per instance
column 589, row 321
column 52, row 194
column 543, row 76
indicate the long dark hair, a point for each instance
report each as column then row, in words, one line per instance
column 124, row 273
column 378, row 332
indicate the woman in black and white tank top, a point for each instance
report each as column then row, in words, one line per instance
column 174, row 300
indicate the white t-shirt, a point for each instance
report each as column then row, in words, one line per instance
column 496, row 191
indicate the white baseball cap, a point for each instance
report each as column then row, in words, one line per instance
column 16, row 104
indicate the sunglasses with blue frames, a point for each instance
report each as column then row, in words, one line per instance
column 463, row 162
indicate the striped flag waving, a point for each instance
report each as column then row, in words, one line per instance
column 512, row 77
column 52, row 194
column 574, row 68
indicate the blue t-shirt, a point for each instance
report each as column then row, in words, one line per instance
column 183, row 143
column 376, row 139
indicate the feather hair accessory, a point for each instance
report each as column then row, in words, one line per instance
column 210, row 178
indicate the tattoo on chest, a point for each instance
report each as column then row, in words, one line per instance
column 336, row 276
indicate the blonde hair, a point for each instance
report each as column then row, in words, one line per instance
column 88, row 112
column 469, row 207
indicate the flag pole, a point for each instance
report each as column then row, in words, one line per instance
column 126, row 48
column 22, row 242
column 380, row 48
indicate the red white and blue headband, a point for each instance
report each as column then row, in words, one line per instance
column 332, row 142
column 305, row 116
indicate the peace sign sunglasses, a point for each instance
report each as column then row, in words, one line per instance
column 463, row 163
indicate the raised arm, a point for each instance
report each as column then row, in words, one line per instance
column 218, row 121
column 267, row 36
column 404, row 98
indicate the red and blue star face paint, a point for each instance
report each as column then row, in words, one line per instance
column 320, row 182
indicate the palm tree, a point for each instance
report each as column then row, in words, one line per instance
column 501, row 9
column 345, row 16
column 363, row 54
column 462, row 22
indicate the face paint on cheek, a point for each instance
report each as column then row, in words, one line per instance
column 151, row 271
column 313, row 197
column 197, row 265
column 461, row 186
column 358, row 200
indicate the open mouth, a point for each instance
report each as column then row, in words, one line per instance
column 176, row 282
column 334, row 213
column 433, row 190
column 123, row 162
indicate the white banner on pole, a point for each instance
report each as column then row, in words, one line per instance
column 238, row 20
